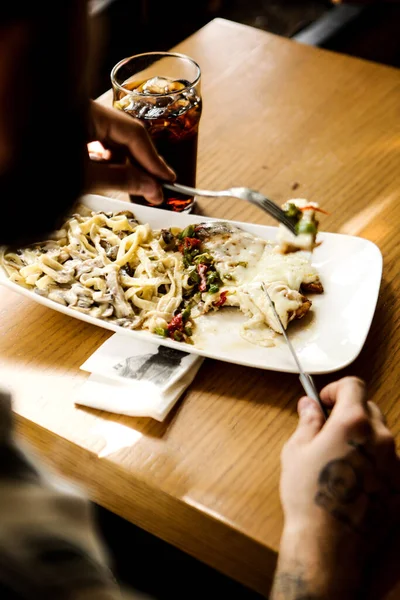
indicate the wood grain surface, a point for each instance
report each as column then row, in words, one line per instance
column 277, row 116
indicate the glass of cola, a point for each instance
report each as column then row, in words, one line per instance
column 162, row 89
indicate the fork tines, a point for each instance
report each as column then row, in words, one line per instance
column 278, row 213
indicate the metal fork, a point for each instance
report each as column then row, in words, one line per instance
column 242, row 193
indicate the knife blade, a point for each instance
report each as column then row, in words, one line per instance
column 305, row 378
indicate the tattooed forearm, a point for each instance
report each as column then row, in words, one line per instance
column 340, row 486
column 351, row 490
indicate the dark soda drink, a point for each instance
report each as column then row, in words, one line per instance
column 171, row 111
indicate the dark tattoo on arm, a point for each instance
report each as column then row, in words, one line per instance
column 340, row 485
column 353, row 491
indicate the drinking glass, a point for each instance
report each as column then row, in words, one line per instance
column 162, row 89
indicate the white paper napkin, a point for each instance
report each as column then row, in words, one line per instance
column 136, row 378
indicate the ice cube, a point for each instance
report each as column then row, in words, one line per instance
column 176, row 86
column 164, row 102
column 180, row 106
column 142, row 109
column 154, row 108
column 155, row 112
column 162, row 85
column 124, row 103
column 156, row 85
column 191, row 95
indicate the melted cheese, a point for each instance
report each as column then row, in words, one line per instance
column 254, row 301
column 236, row 253
column 292, row 269
column 243, row 262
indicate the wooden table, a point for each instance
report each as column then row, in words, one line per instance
column 290, row 120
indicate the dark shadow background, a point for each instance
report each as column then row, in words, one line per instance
column 130, row 26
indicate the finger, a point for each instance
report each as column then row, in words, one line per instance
column 311, row 420
column 142, row 149
column 131, row 133
column 346, row 391
column 383, row 437
column 376, row 414
column 350, row 412
column 126, row 178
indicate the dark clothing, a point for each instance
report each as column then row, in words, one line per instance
column 45, row 104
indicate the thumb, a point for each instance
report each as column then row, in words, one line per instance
column 311, row 420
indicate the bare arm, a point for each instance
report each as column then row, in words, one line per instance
column 340, row 491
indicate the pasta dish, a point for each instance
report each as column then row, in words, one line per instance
column 110, row 266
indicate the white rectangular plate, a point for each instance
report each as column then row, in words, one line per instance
column 329, row 338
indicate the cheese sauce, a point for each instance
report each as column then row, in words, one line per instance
column 243, row 262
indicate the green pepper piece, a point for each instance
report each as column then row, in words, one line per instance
column 293, row 212
column 212, row 277
column 213, row 289
column 204, row 259
column 161, row 331
column 306, row 227
column 194, row 278
column 186, row 314
column 187, row 232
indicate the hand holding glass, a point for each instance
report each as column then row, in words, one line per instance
column 162, row 89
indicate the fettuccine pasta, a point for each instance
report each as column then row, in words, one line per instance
column 107, row 266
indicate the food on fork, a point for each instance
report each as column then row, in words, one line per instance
column 302, row 213
column 109, row 266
